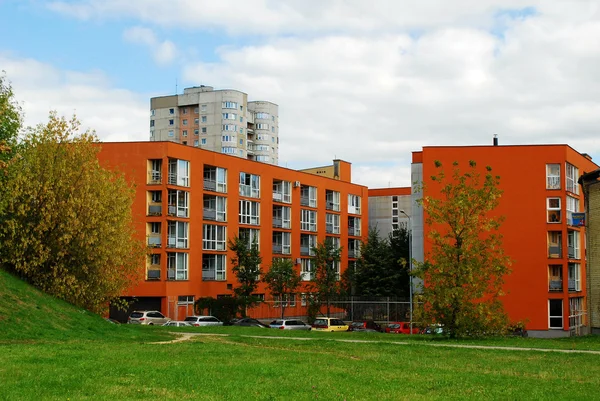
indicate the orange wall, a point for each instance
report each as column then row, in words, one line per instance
column 522, row 171
column 398, row 191
column 132, row 158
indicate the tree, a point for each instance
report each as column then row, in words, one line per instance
column 326, row 267
column 10, row 121
column 67, row 226
column 464, row 272
column 282, row 280
column 246, row 267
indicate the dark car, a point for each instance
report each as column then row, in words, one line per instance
column 365, row 325
column 247, row 322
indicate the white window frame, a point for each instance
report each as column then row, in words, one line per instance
column 285, row 243
column 356, row 225
column 333, row 197
column 249, row 212
column 550, row 317
column 179, row 172
column 308, row 220
column 229, row 116
column 333, row 220
column 227, row 104
column 335, row 241
column 214, row 237
column 571, row 177
column 554, row 210
column 312, row 243
column 249, row 185
column 178, row 202
column 553, row 176
column 177, row 234
column 284, row 213
column 177, row 265
column 574, row 274
column 572, row 207
column 574, row 241
column 354, row 204
column 218, row 264
column 306, row 269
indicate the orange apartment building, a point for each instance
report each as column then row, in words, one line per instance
column 547, row 286
column 189, row 202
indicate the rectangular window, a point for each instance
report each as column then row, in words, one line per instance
column 179, row 172
column 228, row 138
column 554, row 210
column 262, row 126
column 213, row 267
column 572, row 207
column 185, row 122
column 229, row 116
column 171, row 133
column 332, row 223
column 196, row 143
column 229, row 127
column 178, row 203
column 215, row 179
column 574, row 277
column 195, row 110
column 555, row 244
column 354, row 226
column 354, row 204
column 282, row 191
column 552, row 176
column 214, row 237
column 204, row 130
column 249, row 185
column 155, row 259
column 308, row 220
column 306, row 270
column 154, row 239
column 185, row 300
column 203, row 141
column 572, row 174
column 195, row 132
column 177, row 266
column 335, row 241
column 171, row 122
column 184, row 132
column 555, row 278
column 573, row 244
column 252, row 235
column 171, row 111
column 230, row 105
column 155, row 171
column 308, row 196
column 249, row 212
column 204, row 119
column 282, row 216
column 353, row 248
column 262, row 116
column 184, row 110
column 215, row 208
column 282, row 243
column 307, row 244
column 203, row 108
column 332, row 200
column 576, row 313
column 555, row 313
column 196, row 121
column 177, row 234
column 228, row 150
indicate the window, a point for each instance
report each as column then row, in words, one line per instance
column 332, row 200
column 229, row 127
column 155, row 259
column 282, row 243
column 260, row 158
column 332, row 223
column 552, row 176
column 177, row 266
column 203, row 141
column 171, row 122
column 215, row 208
column 241, row 120
column 195, row 142
column 195, row 132
column 574, row 277
column 179, row 172
column 242, row 142
column 572, row 174
column 171, row 133
column 177, row 234
column 306, row 270
column 555, row 313
column 555, row 278
column 555, row 244
column 307, row 243
column 204, row 130
column 576, row 313
column 154, row 239
column 308, row 196
column 228, row 138
column 262, row 116
column 184, row 110
column 185, row 122
column 572, row 207
column 308, row 220
column 213, row 238
column 184, row 132
column 204, row 119
column 156, row 196
column 249, row 185
column 155, row 171
column 229, row 116
column 230, row 105
column 354, row 204
column 282, row 216
column 335, row 241
column 196, row 121
column 262, row 126
column 213, row 267
column 282, row 191
column 353, row 248
column 354, row 226
column 554, row 210
column 215, row 179
column 203, row 107
column 195, row 110
column 185, row 300
column 262, row 137
column 252, row 235
column 573, row 244
column 171, row 111
column 152, row 112
column 249, row 212
column 178, row 203
column 151, row 123
column 228, row 150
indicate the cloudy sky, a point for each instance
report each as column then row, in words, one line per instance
column 365, row 81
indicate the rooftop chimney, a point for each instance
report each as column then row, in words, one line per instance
column 495, row 139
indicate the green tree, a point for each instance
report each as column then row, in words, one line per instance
column 246, row 267
column 11, row 120
column 464, row 272
column 282, row 280
column 326, row 267
column 67, row 226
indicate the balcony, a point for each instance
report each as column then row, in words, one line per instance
column 304, row 201
column 351, row 231
column 330, row 206
column 277, row 248
column 154, row 210
column 555, row 285
column 555, row 251
column 353, row 253
column 329, row 228
column 210, row 185
column 572, row 285
column 277, row 197
column 305, row 251
column 154, row 241
column 210, row 214
column 154, row 178
column 277, row 222
column 172, row 210
column 153, row 273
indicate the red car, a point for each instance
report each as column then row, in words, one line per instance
column 401, row 328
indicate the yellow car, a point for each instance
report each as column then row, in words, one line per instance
column 329, row 324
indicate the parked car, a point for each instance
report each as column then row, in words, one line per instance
column 149, row 317
column 289, row 325
column 401, row 328
column 203, row 321
column 177, row 323
column 247, row 322
column 365, row 326
column 329, row 324
column 433, row 329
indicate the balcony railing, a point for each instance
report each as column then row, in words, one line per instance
column 153, row 274
column 305, row 250
column 329, row 205
column 353, row 253
column 174, row 242
column 555, row 251
column 210, row 185
column 210, row 214
column 277, row 222
column 277, row 196
column 351, row 230
column 154, row 241
column 154, row 210
column 329, row 228
column 304, row 201
column 555, row 285
column 277, row 248
column 572, row 285
column 154, row 177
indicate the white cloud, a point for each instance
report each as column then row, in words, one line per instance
column 163, row 52
column 116, row 114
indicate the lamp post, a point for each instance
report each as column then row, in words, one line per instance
column 410, row 286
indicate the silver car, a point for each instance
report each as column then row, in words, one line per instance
column 289, row 325
column 177, row 323
column 199, row 321
column 149, row 317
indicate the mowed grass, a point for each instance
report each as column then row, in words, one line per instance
column 52, row 350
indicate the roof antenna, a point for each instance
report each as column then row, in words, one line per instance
column 175, row 85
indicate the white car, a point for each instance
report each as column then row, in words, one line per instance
column 199, row 321
column 178, row 323
column 291, row 324
column 150, row 318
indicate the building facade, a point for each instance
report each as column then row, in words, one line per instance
column 547, row 286
column 190, row 202
column 223, row 121
column 389, row 209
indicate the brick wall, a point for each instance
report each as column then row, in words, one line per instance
column 593, row 255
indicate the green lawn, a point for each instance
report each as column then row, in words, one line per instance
column 52, row 350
